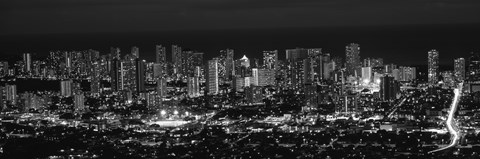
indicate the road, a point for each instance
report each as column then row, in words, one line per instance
column 454, row 132
column 396, row 107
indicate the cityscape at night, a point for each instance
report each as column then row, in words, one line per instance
column 244, row 80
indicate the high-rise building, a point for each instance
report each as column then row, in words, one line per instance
column 474, row 67
column 193, row 87
column 407, row 73
column 311, row 96
column 263, row 77
column 459, row 69
column 228, row 54
column 140, row 75
column 433, row 62
column 161, row 87
column 297, row 54
column 11, row 93
column 66, row 88
column 388, row 88
column 27, row 60
column 157, row 70
column 176, row 58
column 367, row 74
column 160, row 54
column 115, row 52
column 135, row 52
column 2, row 99
column 212, row 79
column 373, row 62
column 79, row 102
column 353, row 64
column 270, row 59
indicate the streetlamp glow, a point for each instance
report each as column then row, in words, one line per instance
column 175, row 112
column 163, row 112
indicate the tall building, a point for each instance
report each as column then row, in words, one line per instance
column 296, row 54
column 459, row 69
column 115, row 52
column 353, row 65
column 160, row 55
column 367, row 74
column 296, row 60
column 388, row 88
column 2, row 99
column 212, row 79
column 373, row 62
column 66, row 88
column 407, row 73
column 135, row 52
column 79, row 102
column 27, row 60
column 433, row 62
column 11, row 93
column 176, row 58
column 474, row 67
column 229, row 65
column 140, row 75
column 193, row 87
column 270, row 59
column 263, row 77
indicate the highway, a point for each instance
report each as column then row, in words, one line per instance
column 454, row 132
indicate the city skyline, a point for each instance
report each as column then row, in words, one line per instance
column 239, row 79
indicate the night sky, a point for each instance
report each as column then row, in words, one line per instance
column 400, row 31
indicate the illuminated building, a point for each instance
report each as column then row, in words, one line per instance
column 353, row 65
column 474, row 67
column 66, row 88
column 389, row 88
column 212, row 79
column 433, row 62
column 459, row 69
column 270, row 59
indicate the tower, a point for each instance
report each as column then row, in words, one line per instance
column 433, row 62
column 459, row 69
column 352, row 57
column 212, row 79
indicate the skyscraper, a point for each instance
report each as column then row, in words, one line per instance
column 66, row 88
column 160, row 54
column 388, row 88
column 474, row 67
column 11, row 93
column 459, row 69
column 79, row 102
column 193, row 87
column 270, row 59
column 229, row 63
column 367, row 74
column 373, row 62
column 140, row 75
column 136, row 52
column 353, row 65
column 433, row 62
column 212, row 79
column 176, row 58
column 27, row 60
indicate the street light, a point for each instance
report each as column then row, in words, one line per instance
column 175, row 112
column 163, row 112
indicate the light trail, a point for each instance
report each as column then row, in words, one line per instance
column 396, row 107
column 454, row 133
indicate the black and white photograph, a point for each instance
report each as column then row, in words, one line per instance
column 239, row 79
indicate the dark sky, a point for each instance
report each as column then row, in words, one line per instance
column 400, row 31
